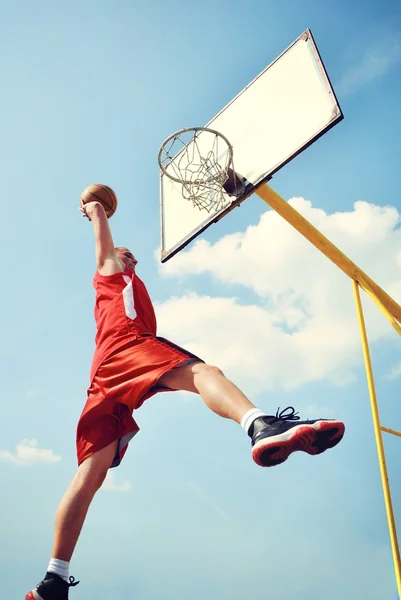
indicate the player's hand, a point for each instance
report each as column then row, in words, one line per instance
column 88, row 208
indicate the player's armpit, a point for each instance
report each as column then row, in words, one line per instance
column 111, row 265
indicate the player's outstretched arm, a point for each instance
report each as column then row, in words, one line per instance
column 107, row 261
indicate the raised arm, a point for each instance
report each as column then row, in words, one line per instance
column 107, row 261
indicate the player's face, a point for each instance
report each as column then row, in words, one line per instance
column 127, row 257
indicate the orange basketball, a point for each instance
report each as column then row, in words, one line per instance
column 103, row 194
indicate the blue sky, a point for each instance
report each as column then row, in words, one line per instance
column 89, row 91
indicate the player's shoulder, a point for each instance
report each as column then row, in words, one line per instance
column 110, row 278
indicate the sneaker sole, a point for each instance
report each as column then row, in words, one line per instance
column 33, row 596
column 312, row 439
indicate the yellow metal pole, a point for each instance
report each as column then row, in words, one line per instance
column 390, row 308
column 380, row 306
column 302, row 225
column 379, row 439
column 392, row 431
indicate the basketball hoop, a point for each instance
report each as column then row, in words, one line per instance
column 201, row 161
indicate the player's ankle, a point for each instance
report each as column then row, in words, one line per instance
column 249, row 417
column 59, row 567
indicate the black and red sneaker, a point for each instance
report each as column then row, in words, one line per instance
column 52, row 587
column 274, row 438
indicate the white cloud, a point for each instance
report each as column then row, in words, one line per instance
column 110, row 484
column 383, row 55
column 28, row 453
column 302, row 325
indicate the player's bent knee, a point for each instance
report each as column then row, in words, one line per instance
column 203, row 368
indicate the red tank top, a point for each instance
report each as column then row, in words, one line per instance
column 123, row 310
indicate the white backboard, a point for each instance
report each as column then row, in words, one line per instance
column 281, row 112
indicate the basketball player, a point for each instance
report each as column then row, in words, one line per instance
column 130, row 365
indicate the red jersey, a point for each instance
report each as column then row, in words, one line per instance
column 123, row 311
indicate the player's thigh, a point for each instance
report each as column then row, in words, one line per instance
column 183, row 378
column 95, row 467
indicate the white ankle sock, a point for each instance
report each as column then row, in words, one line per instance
column 59, row 567
column 249, row 418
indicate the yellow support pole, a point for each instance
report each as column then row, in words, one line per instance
column 381, row 307
column 389, row 307
column 302, row 225
column 379, row 439
column 392, row 431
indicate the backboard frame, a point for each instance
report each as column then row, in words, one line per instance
column 249, row 189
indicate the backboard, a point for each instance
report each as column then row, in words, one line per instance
column 288, row 106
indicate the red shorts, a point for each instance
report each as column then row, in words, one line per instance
column 121, row 384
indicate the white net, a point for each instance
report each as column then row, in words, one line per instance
column 199, row 159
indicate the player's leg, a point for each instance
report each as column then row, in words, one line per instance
column 70, row 518
column 74, row 505
column 218, row 392
column 274, row 437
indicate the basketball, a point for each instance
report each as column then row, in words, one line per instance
column 103, row 194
